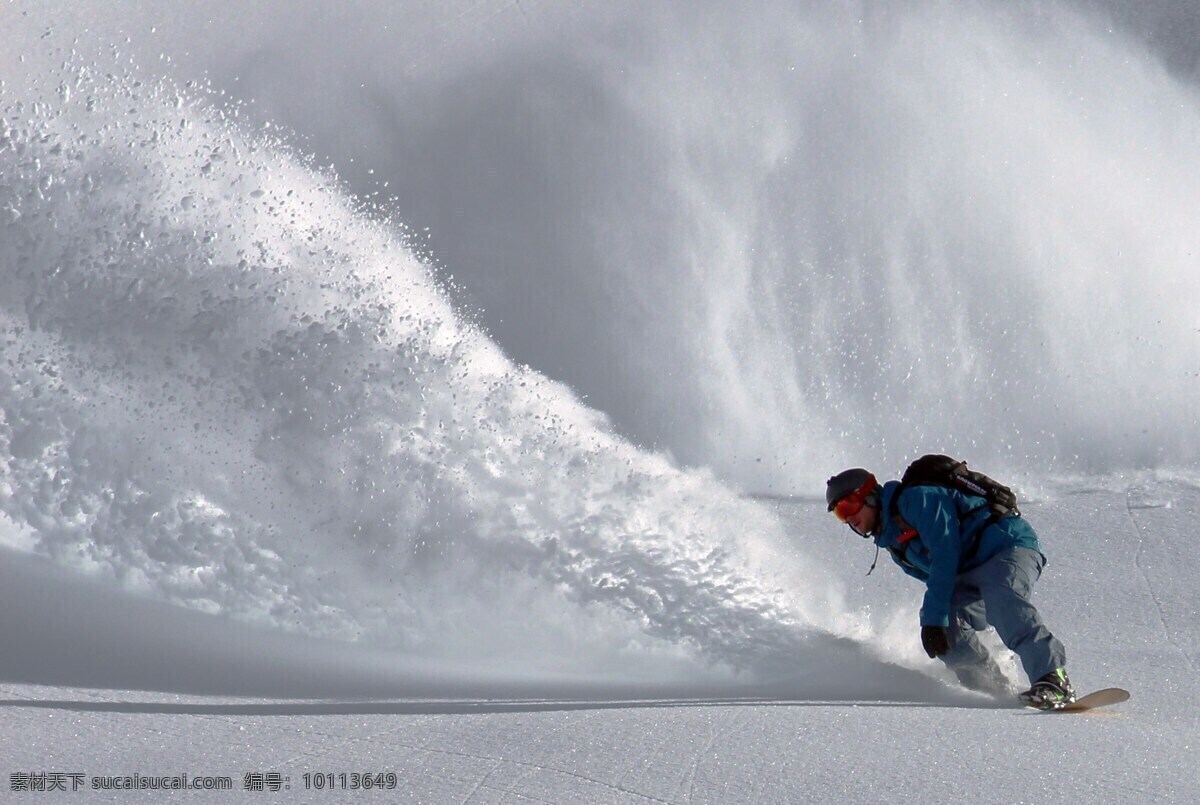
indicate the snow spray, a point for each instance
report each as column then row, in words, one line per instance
column 764, row 246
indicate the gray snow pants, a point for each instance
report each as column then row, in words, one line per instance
column 997, row 594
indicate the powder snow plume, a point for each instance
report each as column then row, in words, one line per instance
column 227, row 385
column 781, row 237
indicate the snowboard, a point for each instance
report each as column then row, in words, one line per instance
column 1098, row 698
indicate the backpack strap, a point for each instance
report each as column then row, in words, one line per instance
column 908, row 531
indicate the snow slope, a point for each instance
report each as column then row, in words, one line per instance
column 1119, row 589
column 485, row 445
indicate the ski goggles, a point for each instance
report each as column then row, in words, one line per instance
column 849, row 506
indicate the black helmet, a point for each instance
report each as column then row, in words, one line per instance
column 847, row 482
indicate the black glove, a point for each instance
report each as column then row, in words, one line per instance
column 935, row 640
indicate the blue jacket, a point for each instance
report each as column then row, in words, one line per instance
column 936, row 554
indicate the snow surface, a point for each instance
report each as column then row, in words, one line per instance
column 279, row 493
column 1119, row 589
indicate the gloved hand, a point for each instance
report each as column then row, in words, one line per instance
column 935, row 640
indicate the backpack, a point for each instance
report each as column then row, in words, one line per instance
column 938, row 470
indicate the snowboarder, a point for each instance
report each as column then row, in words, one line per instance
column 978, row 570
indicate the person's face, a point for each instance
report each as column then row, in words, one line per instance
column 864, row 520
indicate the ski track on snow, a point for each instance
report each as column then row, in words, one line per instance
column 1137, row 561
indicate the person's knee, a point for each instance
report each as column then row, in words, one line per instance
column 965, row 649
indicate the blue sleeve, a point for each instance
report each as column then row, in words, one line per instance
column 932, row 512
